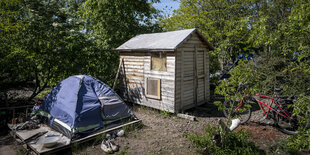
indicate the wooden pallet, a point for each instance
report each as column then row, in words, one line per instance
column 64, row 141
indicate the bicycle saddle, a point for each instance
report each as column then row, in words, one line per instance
column 277, row 89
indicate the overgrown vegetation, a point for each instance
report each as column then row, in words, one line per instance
column 132, row 128
column 246, row 26
column 123, row 152
column 165, row 113
column 43, row 42
column 272, row 72
column 216, row 141
column 301, row 141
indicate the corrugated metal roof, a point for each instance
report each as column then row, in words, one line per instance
column 159, row 41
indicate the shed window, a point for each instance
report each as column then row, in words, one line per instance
column 153, row 88
column 159, row 61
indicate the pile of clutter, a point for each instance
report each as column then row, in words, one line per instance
column 108, row 144
column 24, row 122
column 28, row 125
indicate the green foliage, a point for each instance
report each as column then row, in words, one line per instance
column 276, row 71
column 99, row 139
column 9, row 34
column 123, row 152
column 296, row 30
column 244, row 79
column 224, row 23
column 104, row 17
column 48, row 46
column 133, row 127
column 47, row 41
column 215, row 141
column 297, row 143
column 274, row 29
column 302, row 108
column 301, row 141
column 245, row 26
column 165, row 113
column 244, row 82
column 270, row 72
column 43, row 94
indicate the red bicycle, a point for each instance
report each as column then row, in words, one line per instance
column 278, row 109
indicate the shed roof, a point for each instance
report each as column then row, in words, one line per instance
column 160, row 41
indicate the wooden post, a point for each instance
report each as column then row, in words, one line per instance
column 158, row 89
column 182, row 78
column 196, row 76
column 208, row 76
column 125, row 81
column 205, row 73
column 116, row 77
column 186, row 116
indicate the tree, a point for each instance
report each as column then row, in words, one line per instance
column 111, row 23
column 235, row 27
column 49, row 45
column 9, row 26
column 46, row 41
column 224, row 23
column 265, row 31
column 296, row 35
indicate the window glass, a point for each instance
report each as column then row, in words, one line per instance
column 159, row 61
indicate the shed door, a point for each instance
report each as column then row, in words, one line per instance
column 200, row 78
column 194, row 77
column 189, row 78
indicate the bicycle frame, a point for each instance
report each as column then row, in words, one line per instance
column 266, row 112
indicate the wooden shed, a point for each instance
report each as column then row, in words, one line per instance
column 167, row 71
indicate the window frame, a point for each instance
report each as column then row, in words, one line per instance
column 158, row 97
column 160, row 56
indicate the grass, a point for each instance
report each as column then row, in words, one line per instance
column 82, row 148
column 133, row 127
column 99, row 139
column 124, row 151
column 165, row 113
column 21, row 150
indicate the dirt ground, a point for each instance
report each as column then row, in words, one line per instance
column 163, row 134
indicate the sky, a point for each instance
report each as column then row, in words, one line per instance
column 167, row 6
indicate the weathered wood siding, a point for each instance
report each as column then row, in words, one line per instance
column 192, row 74
column 135, row 71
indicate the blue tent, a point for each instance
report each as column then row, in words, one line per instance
column 81, row 105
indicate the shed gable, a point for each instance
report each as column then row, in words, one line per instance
column 164, row 41
column 194, row 40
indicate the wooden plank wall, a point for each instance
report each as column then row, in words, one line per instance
column 137, row 68
column 192, row 74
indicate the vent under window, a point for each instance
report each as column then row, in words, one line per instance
column 153, row 88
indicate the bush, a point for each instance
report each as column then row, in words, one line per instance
column 281, row 72
column 301, row 141
column 211, row 142
column 242, row 83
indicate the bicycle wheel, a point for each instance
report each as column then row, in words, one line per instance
column 289, row 127
column 243, row 113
